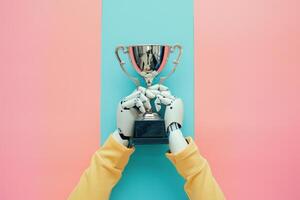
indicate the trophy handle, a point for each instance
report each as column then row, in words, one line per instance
column 175, row 62
column 122, row 63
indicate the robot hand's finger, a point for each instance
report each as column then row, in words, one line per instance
column 139, row 104
column 164, row 100
column 142, row 89
column 154, row 87
column 167, row 94
column 145, row 101
column 157, row 104
column 150, row 94
column 133, row 95
column 146, row 92
column 127, row 104
column 163, row 88
column 159, row 87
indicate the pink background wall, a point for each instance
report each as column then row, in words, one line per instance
column 247, row 95
column 49, row 103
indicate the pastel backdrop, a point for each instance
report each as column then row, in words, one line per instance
column 246, row 95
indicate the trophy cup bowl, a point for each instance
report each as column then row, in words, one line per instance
column 148, row 61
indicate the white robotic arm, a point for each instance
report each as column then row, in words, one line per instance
column 173, row 117
column 177, row 142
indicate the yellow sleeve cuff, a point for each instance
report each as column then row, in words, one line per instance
column 189, row 161
column 115, row 154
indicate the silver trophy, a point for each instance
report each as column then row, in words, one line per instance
column 148, row 61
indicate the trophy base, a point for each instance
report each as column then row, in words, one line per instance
column 150, row 131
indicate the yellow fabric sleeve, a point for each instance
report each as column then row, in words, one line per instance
column 200, row 183
column 108, row 163
column 104, row 172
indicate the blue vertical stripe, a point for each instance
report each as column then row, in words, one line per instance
column 149, row 175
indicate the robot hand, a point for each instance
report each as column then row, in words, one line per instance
column 173, row 116
column 138, row 102
column 174, row 106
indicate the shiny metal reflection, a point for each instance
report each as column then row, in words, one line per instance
column 148, row 58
